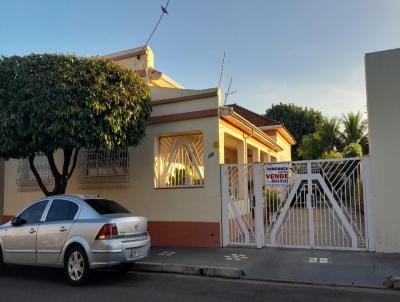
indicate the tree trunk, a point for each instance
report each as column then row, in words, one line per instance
column 60, row 178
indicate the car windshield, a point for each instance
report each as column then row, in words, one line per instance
column 105, row 206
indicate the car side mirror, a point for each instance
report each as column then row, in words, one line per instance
column 16, row 221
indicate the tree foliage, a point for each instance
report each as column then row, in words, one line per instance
column 310, row 147
column 50, row 102
column 352, row 150
column 331, row 154
column 354, row 128
column 347, row 136
column 298, row 120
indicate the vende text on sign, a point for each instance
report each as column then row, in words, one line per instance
column 276, row 174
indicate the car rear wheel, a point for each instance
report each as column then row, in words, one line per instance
column 76, row 266
column 3, row 266
column 124, row 268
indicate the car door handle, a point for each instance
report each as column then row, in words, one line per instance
column 62, row 229
column 32, row 230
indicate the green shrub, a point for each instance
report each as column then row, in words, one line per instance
column 352, row 150
column 331, row 154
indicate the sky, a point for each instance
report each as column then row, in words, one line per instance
column 309, row 52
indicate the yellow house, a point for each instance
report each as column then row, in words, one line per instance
column 173, row 176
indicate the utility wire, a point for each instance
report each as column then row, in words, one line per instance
column 163, row 12
column 222, row 71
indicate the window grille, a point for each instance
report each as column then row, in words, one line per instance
column 180, row 161
column 104, row 167
column 26, row 181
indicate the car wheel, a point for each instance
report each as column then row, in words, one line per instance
column 76, row 266
column 123, row 268
column 3, row 266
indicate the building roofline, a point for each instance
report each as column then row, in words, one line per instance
column 125, row 54
column 283, row 131
column 228, row 113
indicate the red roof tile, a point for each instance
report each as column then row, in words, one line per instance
column 254, row 118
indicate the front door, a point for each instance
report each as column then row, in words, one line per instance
column 21, row 239
column 54, row 230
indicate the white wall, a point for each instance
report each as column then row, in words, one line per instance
column 383, row 98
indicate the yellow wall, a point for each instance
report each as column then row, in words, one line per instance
column 226, row 128
column 286, row 154
column 135, row 62
column 140, row 196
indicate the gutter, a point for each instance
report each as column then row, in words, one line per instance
column 226, row 112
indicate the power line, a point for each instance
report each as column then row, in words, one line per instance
column 222, row 70
column 163, row 12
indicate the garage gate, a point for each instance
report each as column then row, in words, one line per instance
column 303, row 204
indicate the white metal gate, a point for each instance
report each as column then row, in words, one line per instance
column 323, row 204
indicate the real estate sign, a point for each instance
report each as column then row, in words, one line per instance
column 277, row 174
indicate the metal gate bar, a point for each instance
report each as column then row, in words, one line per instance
column 322, row 205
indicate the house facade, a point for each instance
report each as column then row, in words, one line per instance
column 173, row 176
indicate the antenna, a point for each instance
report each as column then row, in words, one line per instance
column 222, row 70
column 229, row 92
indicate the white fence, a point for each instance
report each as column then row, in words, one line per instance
column 306, row 204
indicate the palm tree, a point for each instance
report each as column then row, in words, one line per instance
column 354, row 128
column 325, row 139
column 329, row 133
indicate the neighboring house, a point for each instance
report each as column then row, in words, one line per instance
column 173, row 176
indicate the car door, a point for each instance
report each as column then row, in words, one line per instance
column 21, row 237
column 54, row 230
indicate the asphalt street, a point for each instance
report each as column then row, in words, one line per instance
column 38, row 284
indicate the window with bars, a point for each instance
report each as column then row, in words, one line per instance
column 26, row 181
column 179, row 161
column 104, row 166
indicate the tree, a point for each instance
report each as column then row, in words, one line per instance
column 329, row 133
column 354, row 127
column 331, row 154
column 55, row 102
column 310, row 147
column 353, row 150
column 364, row 142
column 325, row 140
column 298, row 120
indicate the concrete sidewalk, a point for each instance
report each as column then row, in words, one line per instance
column 344, row 268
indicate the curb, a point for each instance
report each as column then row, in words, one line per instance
column 229, row 273
column 200, row 270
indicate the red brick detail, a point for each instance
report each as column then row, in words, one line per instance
column 182, row 233
column 5, row 218
column 185, row 98
column 184, row 116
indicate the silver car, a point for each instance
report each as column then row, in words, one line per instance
column 74, row 232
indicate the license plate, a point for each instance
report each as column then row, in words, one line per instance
column 138, row 252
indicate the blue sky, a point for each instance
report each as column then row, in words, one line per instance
column 309, row 52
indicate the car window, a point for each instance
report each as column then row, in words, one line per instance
column 62, row 209
column 34, row 212
column 105, row 206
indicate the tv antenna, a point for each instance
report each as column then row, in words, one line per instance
column 229, row 92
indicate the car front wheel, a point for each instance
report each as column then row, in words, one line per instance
column 76, row 266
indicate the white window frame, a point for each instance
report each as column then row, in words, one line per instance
column 179, row 160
